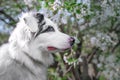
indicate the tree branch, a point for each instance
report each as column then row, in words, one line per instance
column 85, row 75
column 4, row 21
column 90, row 57
column 118, row 44
column 7, row 15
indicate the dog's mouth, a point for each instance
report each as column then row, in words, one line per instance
column 51, row 48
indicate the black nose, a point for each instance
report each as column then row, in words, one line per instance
column 72, row 41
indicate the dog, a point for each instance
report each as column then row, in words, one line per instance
column 27, row 54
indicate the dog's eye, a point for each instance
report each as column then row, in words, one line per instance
column 49, row 29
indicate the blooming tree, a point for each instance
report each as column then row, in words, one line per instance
column 95, row 24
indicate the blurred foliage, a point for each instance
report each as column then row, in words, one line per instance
column 94, row 23
column 3, row 38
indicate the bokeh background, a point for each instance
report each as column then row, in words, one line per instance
column 95, row 24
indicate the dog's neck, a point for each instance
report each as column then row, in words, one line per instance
column 33, row 60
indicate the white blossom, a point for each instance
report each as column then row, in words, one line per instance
column 56, row 4
column 29, row 2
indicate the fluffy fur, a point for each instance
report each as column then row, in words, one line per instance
column 28, row 53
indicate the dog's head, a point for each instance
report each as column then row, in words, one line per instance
column 43, row 34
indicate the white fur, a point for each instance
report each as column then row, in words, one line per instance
column 15, row 56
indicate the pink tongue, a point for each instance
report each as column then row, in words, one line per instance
column 51, row 48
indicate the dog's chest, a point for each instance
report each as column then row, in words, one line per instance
column 17, row 71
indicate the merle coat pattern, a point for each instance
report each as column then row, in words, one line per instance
column 27, row 55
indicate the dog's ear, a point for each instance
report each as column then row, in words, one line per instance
column 40, row 17
column 32, row 23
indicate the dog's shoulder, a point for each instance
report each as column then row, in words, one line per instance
column 9, row 68
column 5, row 61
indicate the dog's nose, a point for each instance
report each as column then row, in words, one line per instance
column 72, row 40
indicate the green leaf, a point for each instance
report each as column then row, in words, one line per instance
column 73, row 4
column 78, row 11
column 102, row 77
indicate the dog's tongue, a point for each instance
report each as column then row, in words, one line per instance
column 51, row 48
